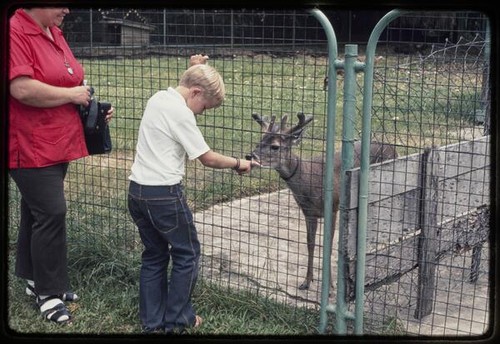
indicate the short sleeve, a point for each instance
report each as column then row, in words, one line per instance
column 21, row 57
column 190, row 137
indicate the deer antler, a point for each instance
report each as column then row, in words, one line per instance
column 264, row 122
column 284, row 119
column 303, row 121
column 269, row 126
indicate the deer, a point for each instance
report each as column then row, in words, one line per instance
column 305, row 177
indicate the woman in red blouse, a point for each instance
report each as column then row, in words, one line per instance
column 45, row 134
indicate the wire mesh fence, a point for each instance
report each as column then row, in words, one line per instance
column 431, row 91
column 430, row 88
column 272, row 63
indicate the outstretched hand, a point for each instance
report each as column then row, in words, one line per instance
column 246, row 166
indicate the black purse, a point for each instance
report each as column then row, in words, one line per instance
column 96, row 129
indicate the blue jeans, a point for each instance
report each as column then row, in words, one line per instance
column 167, row 231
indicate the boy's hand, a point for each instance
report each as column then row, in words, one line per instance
column 198, row 59
column 246, row 166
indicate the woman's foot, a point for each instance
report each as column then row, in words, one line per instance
column 53, row 309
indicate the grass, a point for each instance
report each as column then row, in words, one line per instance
column 107, row 282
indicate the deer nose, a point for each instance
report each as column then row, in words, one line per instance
column 252, row 156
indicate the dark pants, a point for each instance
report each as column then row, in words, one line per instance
column 166, row 227
column 41, row 243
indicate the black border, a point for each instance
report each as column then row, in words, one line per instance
column 485, row 6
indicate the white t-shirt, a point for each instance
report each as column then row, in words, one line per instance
column 167, row 133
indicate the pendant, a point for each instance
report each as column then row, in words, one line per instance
column 70, row 70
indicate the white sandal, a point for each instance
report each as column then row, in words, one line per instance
column 53, row 309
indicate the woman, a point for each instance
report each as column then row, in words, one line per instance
column 45, row 134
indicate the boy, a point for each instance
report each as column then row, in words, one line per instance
column 167, row 134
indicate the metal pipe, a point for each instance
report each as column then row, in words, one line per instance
column 330, row 150
column 364, row 167
column 349, row 108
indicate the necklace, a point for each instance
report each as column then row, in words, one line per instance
column 67, row 65
column 60, row 51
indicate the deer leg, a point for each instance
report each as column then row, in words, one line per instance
column 311, row 225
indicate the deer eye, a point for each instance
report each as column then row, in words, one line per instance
column 275, row 147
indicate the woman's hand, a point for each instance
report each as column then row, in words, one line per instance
column 38, row 94
column 80, row 95
column 109, row 115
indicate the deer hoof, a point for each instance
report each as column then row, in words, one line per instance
column 304, row 285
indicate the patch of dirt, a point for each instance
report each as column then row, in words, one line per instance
column 259, row 243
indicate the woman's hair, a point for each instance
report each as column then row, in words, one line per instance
column 208, row 79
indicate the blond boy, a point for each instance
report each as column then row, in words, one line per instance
column 167, row 135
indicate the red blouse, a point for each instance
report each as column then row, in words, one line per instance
column 41, row 137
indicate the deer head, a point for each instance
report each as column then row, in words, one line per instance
column 277, row 139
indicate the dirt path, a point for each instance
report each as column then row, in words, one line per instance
column 259, row 243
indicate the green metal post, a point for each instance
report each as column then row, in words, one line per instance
column 328, row 177
column 364, row 168
column 349, row 109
